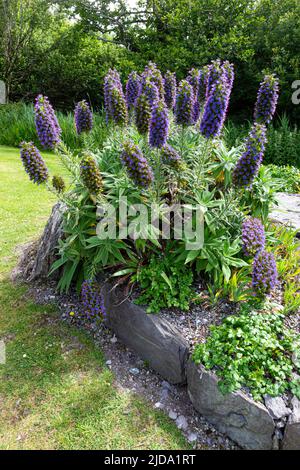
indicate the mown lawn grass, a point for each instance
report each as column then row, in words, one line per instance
column 55, row 391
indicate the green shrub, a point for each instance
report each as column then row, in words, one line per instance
column 288, row 176
column 252, row 350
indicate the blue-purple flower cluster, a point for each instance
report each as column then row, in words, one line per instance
column 203, row 76
column 253, row 236
column 159, row 125
column 153, row 74
column 142, row 114
column 264, row 274
column 170, row 89
column 83, row 117
column 136, row 165
column 170, row 156
column 133, row 87
column 90, row 174
column 150, row 90
column 114, row 100
column 33, row 163
column 215, row 108
column 46, row 123
column 267, row 99
column 248, row 165
column 184, row 110
column 92, row 304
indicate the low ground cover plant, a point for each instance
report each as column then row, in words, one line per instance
column 165, row 202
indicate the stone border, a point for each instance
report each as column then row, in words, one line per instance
column 252, row 425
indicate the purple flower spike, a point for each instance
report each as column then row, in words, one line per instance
column 159, row 125
column 46, row 123
column 152, row 73
column 248, row 165
column 151, row 91
column 90, row 174
column 214, row 113
column 193, row 79
column 136, row 165
column 92, row 304
column 267, row 99
column 253, row 236
column 170, row 89
column 264, row 273
column 83, row 117
column 33, row 163
column 114, row 99
column 142, row 114
column 133, row 87
column 214, row 75
column 203, row 77
column 184, row 112
column 170, row 156
column 118, row 107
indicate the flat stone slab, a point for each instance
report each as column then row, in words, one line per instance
column 152, row 337
column 245, row 421
column 288, row 210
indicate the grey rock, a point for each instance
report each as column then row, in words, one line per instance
column 164, row 394
column 291, row 440
column 173, row 415
column 276, row 407
column 246, row 422
column 288, row 210
column 182, row 422
column 158, row 405
column 134, row 371
column 152, row 337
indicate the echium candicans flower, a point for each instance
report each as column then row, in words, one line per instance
column 133, row 87
column 170, row 156
column 170, row 89
column 184, row 104
column 203, row 77
column 150, row 90
column 46, row 123
column 214, row 113
column 193, row 79
column 154, row 75
column 111, row 81
column 264, row 272
column 229, row 74
column 248, row 165
column 267, row 99
column 33, row 163
column 159, row 125
column 90, row 174
column 136, row 165
column 118, row 108
column 215, row 74
column 253, row 236
column 83, row 117
column 58, row 184
column 142, row 114
column 92, row 303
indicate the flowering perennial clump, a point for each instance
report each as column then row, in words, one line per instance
column 136, row 165
column 133, row 87
column 214, row 113
column 170, row 89
column 142, row 114
column 92, row 300
column 170, row 155
column 33, row 163
column 248, row 165
column 159, row 125
column 184, row 111
column 83, row 117
column 58, row 184
column 46, row 123
column 264, row 273
column 267, row 99
column 90, row 174
column 253, row 236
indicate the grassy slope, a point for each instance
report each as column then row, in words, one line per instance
column 55, row 391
